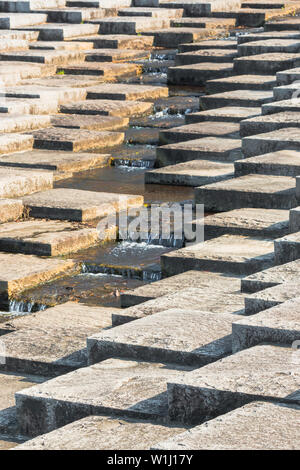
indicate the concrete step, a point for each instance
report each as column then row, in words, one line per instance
column 269, row 123
column 75, row 140
column 288, row 77
column 10, row 210
column 13, row 72
column 241, row 82
column 209, row 55
column 208, row 44
column 52, row 342
column 118, row 41
column 240, row 98
column 21, row 123
column 278, row 324
column 291, row 105
column 120, row 91
column 44, row 94
column 268, row 63
column 281, row 163
column 232, row 114
column 10, row 143
column 204, row 280
column 73, row 15
column 266, row 35
column 98, row 432
column 217, row 388
column 45, row 57
column 205, row 22
column 193, row 173
column 97, row 123
column 198, row 74
column 287, row 249
column 283, row 139
column 68, row 162
column 249, row 222
column 202, row 9
column 20, row 272
column 13, row 45
column 78, row 205
column 101, row 107
column 21, row 20
column 124, row 389
column 216, row 302
column 116, row 55
column 62, row 32
column 295, row 217
column 198, row 338
column 267, row 299
column 286, row 92
column 252, row 190
column 227, row 254
column 16, row 6
column 250, row 427
column 208, row 148
column 152, row 12
column 172, row 37
column 10, row 35
column 287, row 24
column 198, row 130
column 271, row 277
column 17, row 183
column 130, row 25
column 44, row 238
column 28, row 106
column 107, row 70
column 266, row 46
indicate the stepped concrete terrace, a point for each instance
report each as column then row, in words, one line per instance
column 145, row 338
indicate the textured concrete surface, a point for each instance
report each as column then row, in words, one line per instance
column 256, row 426
column 212, row 300
column 52, row 342
column 218, row 282
column 100, row 433
column 228, row 253
column 197, row 338
column 281, row 163
column 10, row 209
column 265, row 372
column 126, row 389
column 225, row 114
column 78, row 205
column 270, row 297
column 287, row 272
column 278, row 324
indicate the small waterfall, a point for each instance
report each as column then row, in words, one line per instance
column 20, row 307
column 128, row 163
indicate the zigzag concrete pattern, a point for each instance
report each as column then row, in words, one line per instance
column 157, row 344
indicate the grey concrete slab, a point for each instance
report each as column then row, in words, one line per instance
column 283, row 139
column 295, row 219
column 121, row 91
column 228, row 253
column 270, row 297
column 193, row 173
column 287, row 248
column 291, row 105
column 46, row 238
column 251, row 427
column 198, row 338
column 119, row 41
column 287, row 77
column 269, row 123
column 208, row 44
column 207, row 148
column 23, row 122
column 278, row 324
column 271, row 277
column 19, row 182
column 266, row 63
column 266, row 46
column 281, row 163
column 109, row 108
column 267, row 223
column 100, row 433
column 205, row 280
column 226, row 114
column 95, row 123
column 241, row 98
column 198, row 130
column 266, row 372
column 253, row 190
column 126, row 389
column 190, row 298
column 211, row 55
column 78, row 205
column 61, row 32
column 198, row 74
column 15, row 143
column 75, row 140
column 241, row 82
column 58, row 161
